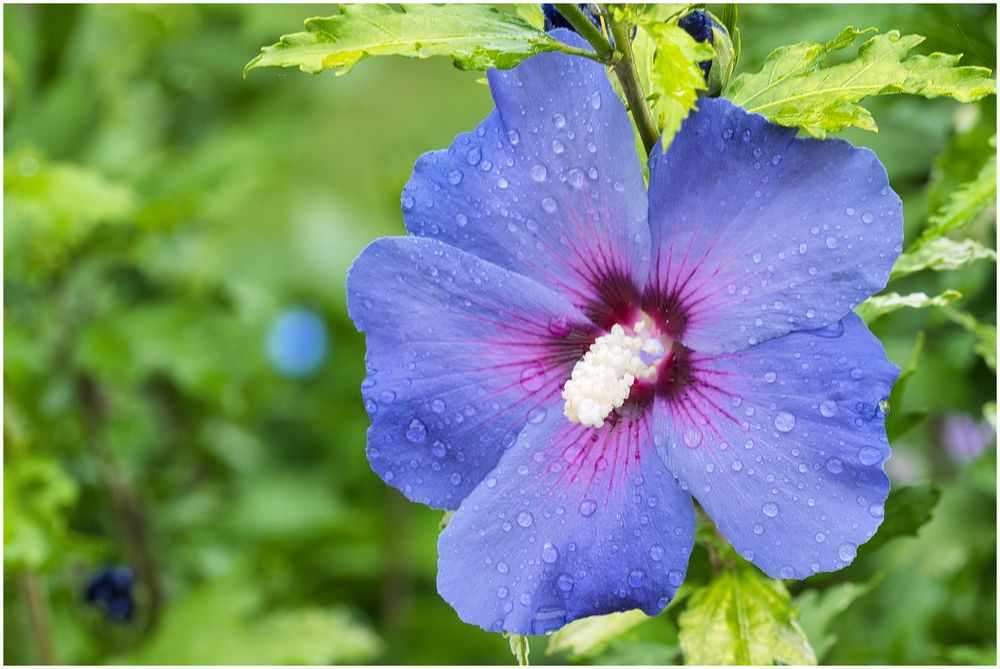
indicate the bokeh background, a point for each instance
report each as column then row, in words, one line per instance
column 183, row 427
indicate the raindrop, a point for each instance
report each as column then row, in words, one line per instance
column 548, row 204
column 820, row 537
column 559, row 120
column 575, row 178
column 770, row 509
column 784, row 421
column 557, row 146
column 536, row 415
column 656, row 552
column 834, row 466
column 857, row 373
column 637, row 578
column 787, row 572
column 675, row 578
column 587, row 508
column 416, row 432
column 533, row 377
column 565, row 582
column 559, row 327
column 831, row 242
column 876, row 510
column 456, row 479
column 538, row 172
column 867, row 217
column 438, row 450
column 770, row 377
column 407, row 203
column 869, row 455
column 461, row 219
column 525, row 519
column 595, row 100
column 847, row 551
column 828, row 408
column 438, row 406
column 474, row 155
column 503, row 567
column 758, row 529
column 455, row 177
column 549, row 553
column 692, row 437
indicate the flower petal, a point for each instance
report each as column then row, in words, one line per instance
column 783, row 445
column 460, row 354
column 572, row 523
column 757, row 233
column 549, row 185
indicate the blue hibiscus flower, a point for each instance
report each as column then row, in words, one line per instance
column 567, row 358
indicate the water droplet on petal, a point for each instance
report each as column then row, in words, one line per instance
column 525, row 519
column 455, row 177
column 847, row 551
column 637, row 578
column 533, row 377
column 588, row 507
column 869, row 455
column 416, row 432
column 784, row 421
column 548, row 204
column 549, row 553
column 538, row 172
column 456, row 479
column 474, row 155
column 536, row 415
column 438, row 406
column 828, row 408
column 656, row 552
column 675, row 578
column 834, row 466
column 565, row 582
column 770, row 509
column 559, row 327
column 503, row 567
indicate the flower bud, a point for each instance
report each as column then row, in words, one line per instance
column 703, row 27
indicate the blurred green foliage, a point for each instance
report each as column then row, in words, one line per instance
column 161, row 211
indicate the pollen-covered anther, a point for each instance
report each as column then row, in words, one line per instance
column 602, row 379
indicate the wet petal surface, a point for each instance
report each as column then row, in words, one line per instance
column 549, row 185
column 756, row 233
column 574, row 522
column 461, row 354
column 783, row 445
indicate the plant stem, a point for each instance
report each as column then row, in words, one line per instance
column 628, row 76
column 588, row 31
column 621, row 59
column 38, row 617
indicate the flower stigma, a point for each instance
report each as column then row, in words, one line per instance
column 602, row 380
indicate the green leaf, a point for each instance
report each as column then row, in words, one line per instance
column 224, row 622
column 50, row 208
column 37, row 494
column 795, row 89
column 674, row 76
column 743, row 617
column 898, row 423
column 964, row 203
column 474, row 36
column 818, row 609
column 986, row 336
column 940, row 254
column 907, row 509
column 588, row 636
column 880, row 305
